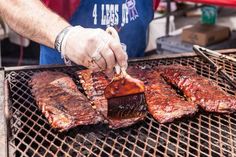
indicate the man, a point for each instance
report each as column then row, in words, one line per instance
column 83, row 44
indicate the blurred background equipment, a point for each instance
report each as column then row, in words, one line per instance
column 204, row 34
column 16, row 50
column 210, row 25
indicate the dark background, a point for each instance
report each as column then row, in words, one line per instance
column 11, row 54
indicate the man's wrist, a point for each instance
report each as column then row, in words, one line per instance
column 61, row 37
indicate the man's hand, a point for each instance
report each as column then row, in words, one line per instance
column 95, row 49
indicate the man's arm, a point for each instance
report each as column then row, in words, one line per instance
column 33, row 20
column 93, row 48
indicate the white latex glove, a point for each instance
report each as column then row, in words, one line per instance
column 95, row 49
column 115, row 35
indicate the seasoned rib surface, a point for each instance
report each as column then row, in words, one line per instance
column 94, row 85
column 199, row 89
column 61, row 102
column 164, row 104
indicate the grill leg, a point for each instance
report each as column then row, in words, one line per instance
column 168, row 17
column 0, row 53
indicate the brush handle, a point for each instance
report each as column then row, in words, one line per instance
column 114, row 34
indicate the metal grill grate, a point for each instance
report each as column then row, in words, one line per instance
column 205, row 134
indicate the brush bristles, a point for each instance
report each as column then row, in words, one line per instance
column 129, row 106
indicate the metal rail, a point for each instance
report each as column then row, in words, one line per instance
column 3, row 128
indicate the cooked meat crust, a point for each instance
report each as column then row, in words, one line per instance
column 94, row 85
column 164, row 104
column 199, row 89
column 65, row 106
column 61, row 102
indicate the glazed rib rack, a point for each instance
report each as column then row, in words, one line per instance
column 205, row 134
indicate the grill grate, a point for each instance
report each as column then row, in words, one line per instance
column 205, row 134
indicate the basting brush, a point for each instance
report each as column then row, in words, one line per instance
column 125, row 95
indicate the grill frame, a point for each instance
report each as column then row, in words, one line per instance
column 3, row 121
column 161, row 128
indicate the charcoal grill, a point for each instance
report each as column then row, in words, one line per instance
column 205, row 134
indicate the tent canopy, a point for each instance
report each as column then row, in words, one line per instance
column 224, row 3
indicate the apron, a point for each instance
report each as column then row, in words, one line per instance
column 130, row 17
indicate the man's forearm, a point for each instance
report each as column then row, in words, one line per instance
column 32, row 19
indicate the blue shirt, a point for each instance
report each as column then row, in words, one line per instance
column 130, row 17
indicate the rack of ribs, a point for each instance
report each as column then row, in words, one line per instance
column 164, row 104
column 199, row 89
column 94, row 85
column 61, row 102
